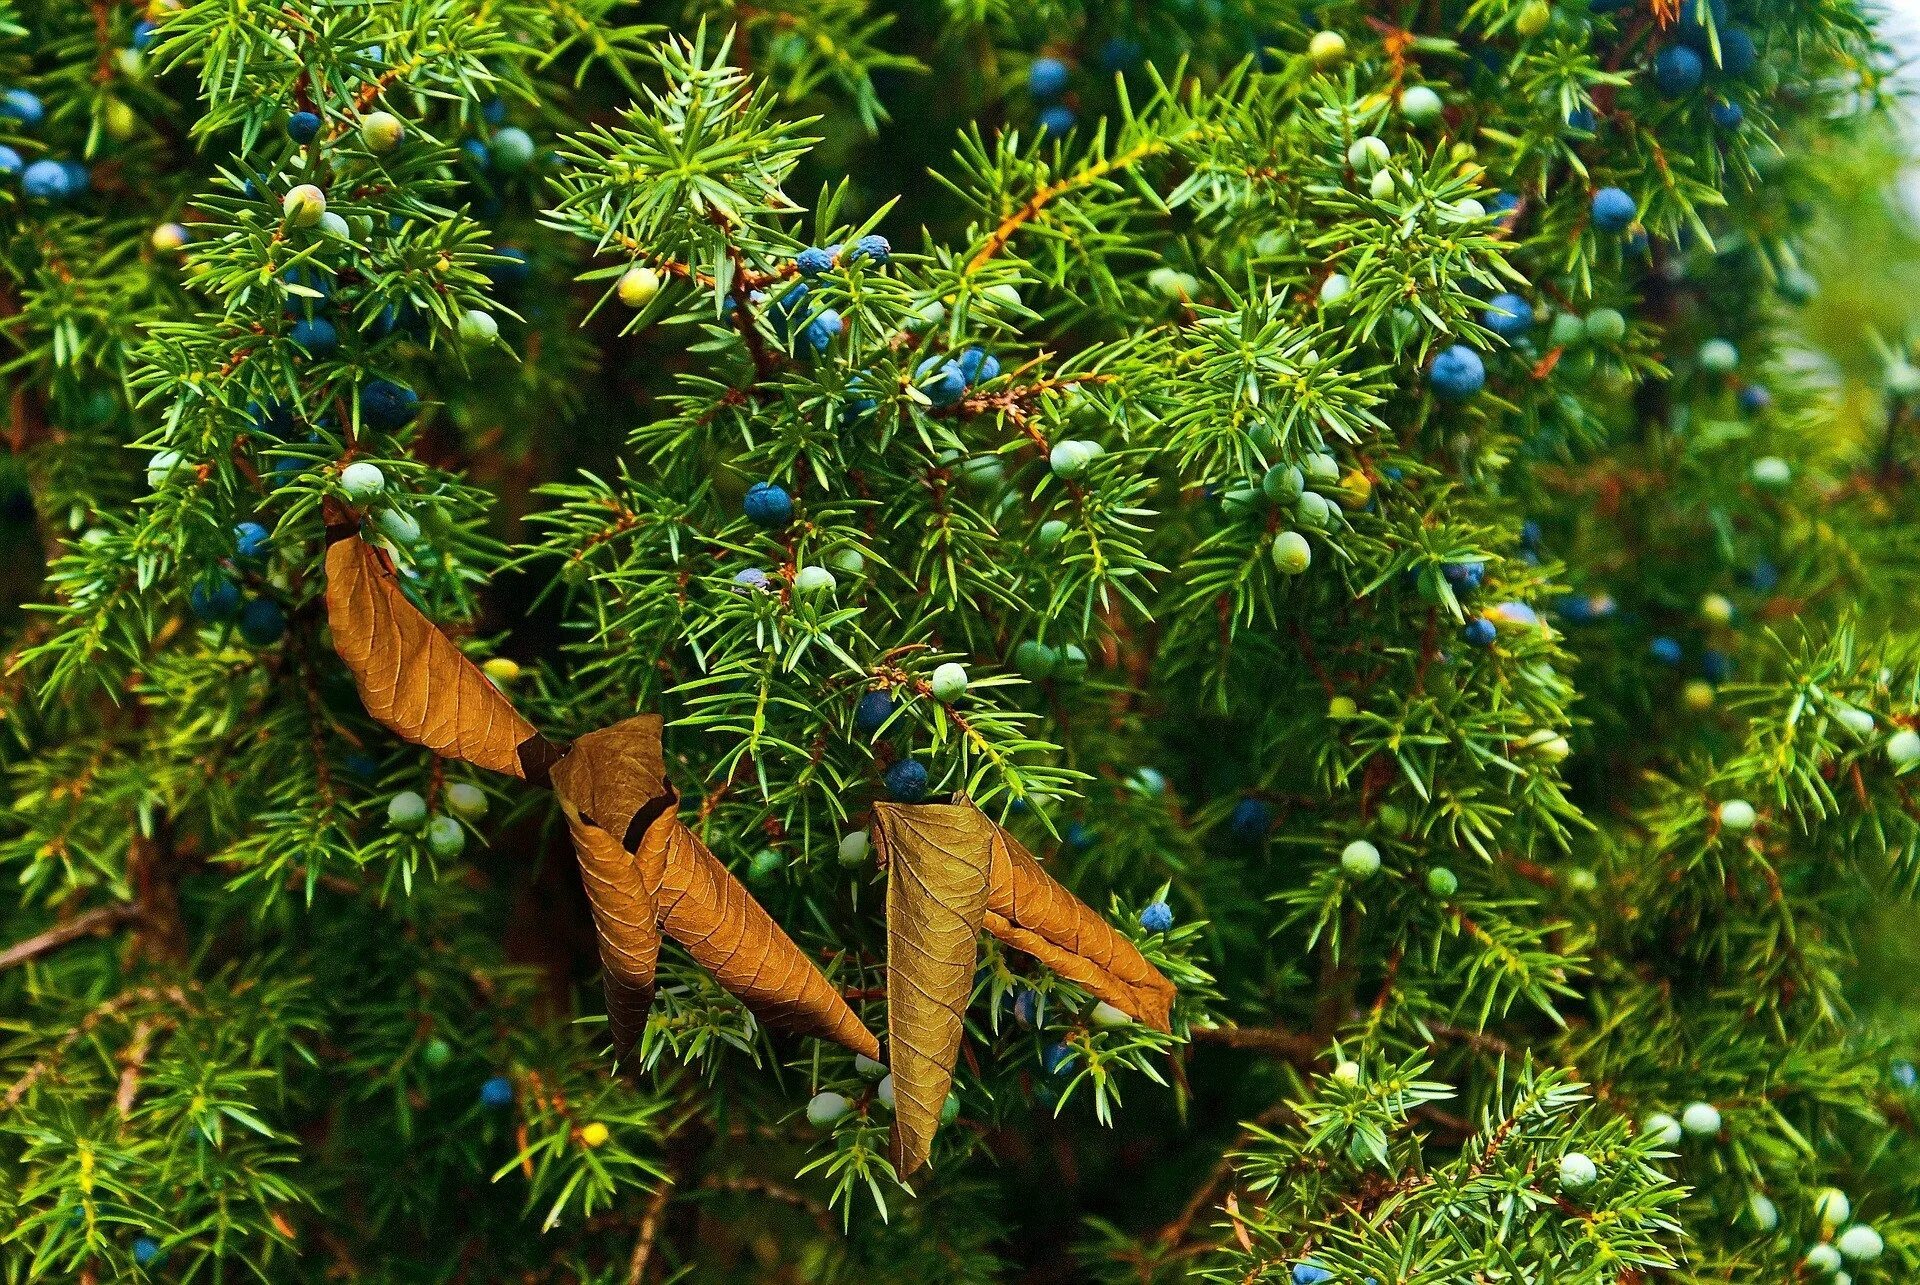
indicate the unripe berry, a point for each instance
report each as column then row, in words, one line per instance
column 512, row 148
column 1533, row 18
column 1107, row 1017
column 1764, row 1213
column 1360, row 859
column 1327, row 48
column 406, row 810
column 1861, row 1243
column 813, row 580
column 1701, row 1119
column 1738, row 815
column 1718, row 357
column 500, row 669
column 397, row 525
column 949, row 682
column 1831, row 1206
column 1291, row 553
column 478, row 329
column 1903, row 748
column 1442, row 882
column 1577, row 1171
column 1662, row 1128
column 884, row 1091
column 1420, row 105
column 637, row 287
column 362, row 481
column 854, row 847
column 381, row 131
column 466, row 800
column 303, row 205
column 594, row 1134
column 446, row 838
column 1368, row 155
column 825, row 1108
column 1823, row 1259
column 170, row 236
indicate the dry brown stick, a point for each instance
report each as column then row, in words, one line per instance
column 1272, row 1040
column 649, row 1231
column 135, row 1058
column 99, row 920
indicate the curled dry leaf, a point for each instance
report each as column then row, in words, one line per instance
column 708, row 911
column 413, row 679
column 1029, row 910
column 646, row 873
column 610, row 783
column 938, row 856
column 951, row 872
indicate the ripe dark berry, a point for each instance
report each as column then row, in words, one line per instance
column 1480, row 632
column 262, row 622
column 820, row 332
column 1665, row 650
column 514, row 269
column 871, row 714
column 317, row 336
column 215, row 598
column 497, row 1092
column 10, row 162
column 1613, row 210
column 873, row 247
column 1056, row 120
column 1678, row 71
column 1738, row 54
column 813, row 260
column 1457, row 373
column 1755, row 398
column 978, row 366
column 143, row 33
column 145, row 1250
column 303, row 127
column 1464, row 576
column 943, row 382
column 1157, row 918
column 1251, row 820
column 907, row 780
column 46, row 181
column 1727, row 116
column 250, row 540
column 387, row 406
column 1046, row 77
column 768, row 504
column 23, row 106
column 1508, row 315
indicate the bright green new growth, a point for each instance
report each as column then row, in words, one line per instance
column 1178, row 596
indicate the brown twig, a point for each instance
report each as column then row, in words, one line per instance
column 649, row 1231
column 101, row 919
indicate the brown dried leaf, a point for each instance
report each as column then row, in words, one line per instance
column 704, row 908
column 1029, row 910
column 607, row 781
column 413, row 679
column 938, row 856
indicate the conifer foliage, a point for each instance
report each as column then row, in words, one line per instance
column 844, row 641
